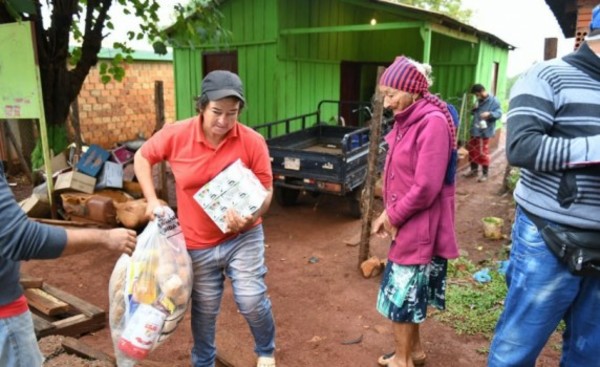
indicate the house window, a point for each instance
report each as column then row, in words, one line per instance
column 495, row 70
column 219, row 61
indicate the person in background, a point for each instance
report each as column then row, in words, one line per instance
column 419, row 190
column 23, row 239
column 198, row 149
column 553, row 134
column 483, row 128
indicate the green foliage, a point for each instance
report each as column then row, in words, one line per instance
column 513, row 178
column 510, row 82
column 472, row 308
column 57, row 140
column 453, row 8
column 198, row 22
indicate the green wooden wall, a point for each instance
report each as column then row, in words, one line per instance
column 253, row 24
column 288, row 74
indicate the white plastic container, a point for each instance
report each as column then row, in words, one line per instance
column 142, row 332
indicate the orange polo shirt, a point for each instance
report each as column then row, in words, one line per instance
column 195, row 162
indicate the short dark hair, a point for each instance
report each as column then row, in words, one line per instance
column 202, row 101
column 477, row 88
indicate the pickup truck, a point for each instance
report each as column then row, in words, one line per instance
column 320, row 158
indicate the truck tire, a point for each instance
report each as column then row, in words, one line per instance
column 286, row 196
column 355, row 202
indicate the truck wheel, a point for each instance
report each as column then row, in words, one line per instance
column 355, row 202
column 355, row 208
column 286, row 196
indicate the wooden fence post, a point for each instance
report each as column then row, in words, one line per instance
column 368, row 197
column 159, row 107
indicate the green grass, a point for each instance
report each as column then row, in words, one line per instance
column 472, row 308
column 513, row 177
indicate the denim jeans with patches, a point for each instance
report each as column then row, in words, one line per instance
column 18, row 344
column 541, row 293
column 242, row 260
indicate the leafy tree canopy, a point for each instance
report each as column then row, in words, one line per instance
column 453, row 8
column 69, row 35
column 71, row 32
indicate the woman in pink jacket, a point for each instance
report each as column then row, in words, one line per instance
column 419, row 206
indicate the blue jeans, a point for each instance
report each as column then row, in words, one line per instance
column 18, row 345
column 541, row 292
column 242, row 260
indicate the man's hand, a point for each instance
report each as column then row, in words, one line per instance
column 382, row 226
column 236, row 223
column 485, row 115
column 120, row 240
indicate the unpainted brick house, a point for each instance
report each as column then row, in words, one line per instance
column 120, row 111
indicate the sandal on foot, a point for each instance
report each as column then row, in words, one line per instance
column 385, row 359
column 265, row 362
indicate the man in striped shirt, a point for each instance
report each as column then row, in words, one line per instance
column 554, row 136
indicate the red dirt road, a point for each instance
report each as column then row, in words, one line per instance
column 317, row 306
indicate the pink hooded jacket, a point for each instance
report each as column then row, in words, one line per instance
column 416, row 199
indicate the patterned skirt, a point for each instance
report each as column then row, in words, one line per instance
column 407, row 290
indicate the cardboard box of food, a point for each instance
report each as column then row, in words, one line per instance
column 236, row 187
column 111, row 176
column 76, row 181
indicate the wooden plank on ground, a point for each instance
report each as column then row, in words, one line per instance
column 74, row 326
column 44, row 302
column 74, row 346
column 223, row 361
column 41, row 326
column 84, row 307
column 69, row 223
column 30, row 282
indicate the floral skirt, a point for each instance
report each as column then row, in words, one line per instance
column 407, row 290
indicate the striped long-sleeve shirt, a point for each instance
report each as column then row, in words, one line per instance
column 554, row 135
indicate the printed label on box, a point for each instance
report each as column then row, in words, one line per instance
column 236, row 187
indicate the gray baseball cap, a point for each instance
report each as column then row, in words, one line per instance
column 220, row 84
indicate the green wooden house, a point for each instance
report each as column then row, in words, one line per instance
column 293, row 53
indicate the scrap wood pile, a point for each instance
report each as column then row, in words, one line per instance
column 55, row 311
column 96, row 190
column 61, row 351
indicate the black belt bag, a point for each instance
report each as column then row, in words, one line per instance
column 579, row 249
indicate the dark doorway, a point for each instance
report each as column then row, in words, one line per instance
column 495, row 70
column 357, row 83
column 219, row 61
column 350, row 90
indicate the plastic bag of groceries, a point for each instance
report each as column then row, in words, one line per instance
column 149, row 292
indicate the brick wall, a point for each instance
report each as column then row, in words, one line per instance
column 119, row 111
column 584, row 17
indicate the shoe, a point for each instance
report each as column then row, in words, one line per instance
column 483, row 178
column 265, row 361
column 385, row 359
column 471, row 173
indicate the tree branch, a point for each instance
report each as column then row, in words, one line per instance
column 92, row 43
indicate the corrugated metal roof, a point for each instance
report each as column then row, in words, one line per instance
column 445, row 20
column 109, row 53
column 565, row 12
column 431, row 16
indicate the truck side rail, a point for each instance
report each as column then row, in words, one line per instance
column 287, row 122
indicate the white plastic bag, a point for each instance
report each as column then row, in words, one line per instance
column 149, row 292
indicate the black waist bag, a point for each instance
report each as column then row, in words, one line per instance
column 579, row 249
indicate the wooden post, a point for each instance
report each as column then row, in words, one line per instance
column 159, row 105
column 368, row 198
column 76, row 127
column 550, row 48
column 13, row 140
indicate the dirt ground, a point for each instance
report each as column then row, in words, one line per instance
column 319, row 307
